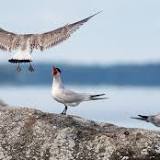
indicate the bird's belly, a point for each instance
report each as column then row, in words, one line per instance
column 68, row 103
column 74, row 104
column 21, row 57
column 58, row 100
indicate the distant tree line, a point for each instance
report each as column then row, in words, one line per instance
column 133, row 75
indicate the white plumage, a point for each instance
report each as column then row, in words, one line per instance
column 66, row 96
column 22, row 55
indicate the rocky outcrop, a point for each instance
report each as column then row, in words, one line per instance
column 29, row 134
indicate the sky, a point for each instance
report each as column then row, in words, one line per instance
column 127, row 31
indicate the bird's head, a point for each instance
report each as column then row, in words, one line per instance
column 56, row 71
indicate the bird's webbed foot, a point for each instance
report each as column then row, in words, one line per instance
column 18, row 68
column 30, row 68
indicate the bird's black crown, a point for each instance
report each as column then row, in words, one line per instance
column 58, row 70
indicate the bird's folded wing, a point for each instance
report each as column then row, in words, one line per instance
column 69, row 96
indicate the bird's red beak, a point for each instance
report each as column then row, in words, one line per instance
column 54, row 71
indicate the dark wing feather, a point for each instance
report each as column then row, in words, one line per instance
column 52, row 38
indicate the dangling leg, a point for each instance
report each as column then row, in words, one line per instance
column 31, row 69
column 18, row 68
column 65, row 110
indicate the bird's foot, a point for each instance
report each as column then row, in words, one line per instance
column 30, row 68
column 65, row 110
column 18, row 68
column 63, row 113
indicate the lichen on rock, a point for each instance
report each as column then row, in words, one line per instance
column 29, row 134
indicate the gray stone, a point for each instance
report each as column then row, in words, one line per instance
column 29, row 134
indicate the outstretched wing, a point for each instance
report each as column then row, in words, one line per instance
column 6, row 39
column 52, row 38
column 10, row 41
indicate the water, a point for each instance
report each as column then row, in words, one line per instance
column 123, row 103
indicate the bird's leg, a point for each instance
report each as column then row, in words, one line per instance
column 18, row 68
column 30, row 68
column 65, row 110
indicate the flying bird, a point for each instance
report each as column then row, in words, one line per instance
column 68, row 97
column 154, row 119
column 24, row 44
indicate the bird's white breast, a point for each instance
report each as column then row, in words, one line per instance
column 22, row 55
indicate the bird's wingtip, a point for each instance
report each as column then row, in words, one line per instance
column 140, row 117
column 96, row 13
column 98, row 96
column 81, row 22
column 134, row 117
column 143, row 116
column 99, row 12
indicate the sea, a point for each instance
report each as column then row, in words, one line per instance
column 123, row 102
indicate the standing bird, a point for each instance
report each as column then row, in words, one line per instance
column 24, row 44
column 66, row 96
column 154, row 119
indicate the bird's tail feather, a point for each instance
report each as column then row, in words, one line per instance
column 97, row 97
column 141, row 117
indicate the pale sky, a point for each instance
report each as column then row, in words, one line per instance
column 126, row 31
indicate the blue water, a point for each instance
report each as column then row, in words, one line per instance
column 123, row 103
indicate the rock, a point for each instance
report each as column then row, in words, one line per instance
column 29, row 134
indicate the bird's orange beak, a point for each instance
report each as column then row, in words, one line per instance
column 54, row 71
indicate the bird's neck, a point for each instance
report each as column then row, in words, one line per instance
column 57, row 82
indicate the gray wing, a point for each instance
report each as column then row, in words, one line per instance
column 10, row 41
column 6, row 39
column 52, row 38
column 69, row 96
